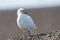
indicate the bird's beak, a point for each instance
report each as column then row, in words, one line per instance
column 25, row 12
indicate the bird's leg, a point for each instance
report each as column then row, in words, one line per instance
column 24, row 35
column 29, row 33
column 34, row 34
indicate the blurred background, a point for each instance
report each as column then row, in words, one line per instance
column 46, row 20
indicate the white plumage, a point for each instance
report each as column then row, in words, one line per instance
column 24, row 21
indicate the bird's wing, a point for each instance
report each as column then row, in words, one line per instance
column 29, row 20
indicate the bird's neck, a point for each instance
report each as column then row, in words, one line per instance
column 20, row 14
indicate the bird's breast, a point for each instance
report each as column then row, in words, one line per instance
column 24, row 22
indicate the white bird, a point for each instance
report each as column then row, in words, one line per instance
column 24, row 21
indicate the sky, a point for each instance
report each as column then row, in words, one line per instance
column 27, row 4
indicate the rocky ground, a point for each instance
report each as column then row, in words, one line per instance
column 54, row 35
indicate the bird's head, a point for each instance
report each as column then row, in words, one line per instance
column 21, row 10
